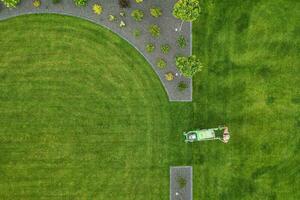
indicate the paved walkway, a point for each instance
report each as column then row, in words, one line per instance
column 166, row 22
column 181, row 183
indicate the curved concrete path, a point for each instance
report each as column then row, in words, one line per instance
column 166, row 22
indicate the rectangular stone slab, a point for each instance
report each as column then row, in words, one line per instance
column 181, row 183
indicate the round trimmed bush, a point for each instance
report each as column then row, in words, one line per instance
column 154, row 30
column 138, row 15
column 161, row 63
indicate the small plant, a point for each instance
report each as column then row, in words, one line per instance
column 138, row 15
column 80, row 2
column 181, row 182
column 124, row 3
column 181, row 41
column 154, row 30
column 161, row 63
column 150, row 47
column 182, row 86
column 155, row 12
column 138, row 1
column 36, row 3
column 122, row 14
column 137, row 33
column 56, row 1
column 112, row 18
column 169, row 76
column 122, row 24
column 97, row 8
column 165, row 48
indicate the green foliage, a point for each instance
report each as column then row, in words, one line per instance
column 154, row 30
column 10, row 3
column 56, row 1
column 80, row 2
column 188, row 66
column 36, row 3
column 138, row 1
column 182, row 86
column 97, row 9
column 138, row 15
column 161, row 63
column 150, row 47
column 122, row 24
column 155, row 12
column 187, row 10
column 165, row 48
column 137, row 33
column 112, row 18
column 181, row 41
column 169, row 76
column 181, row 182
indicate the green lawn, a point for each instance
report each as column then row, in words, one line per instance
column 83, row 116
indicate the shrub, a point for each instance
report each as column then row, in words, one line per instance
column 161, row 63
column 137, row 33
column 122, row 24
column 181, row 41
column 169, row 76
column 188, row 66
column 181, row 182
column 80, row 2
column 165, row 48
column 138, row 15
column 150, row 47
column 155, row 12
column 56, row 1
column 154, row 30
column 97, row 8
column 186, row 10
column 122, row 14
column 10, row 3
column 112, row 18
column 124, row 3
column 138, row 1
column 182, row 86
column 36, row 3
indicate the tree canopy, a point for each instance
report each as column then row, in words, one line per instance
column 187, row 10
column 188, row 66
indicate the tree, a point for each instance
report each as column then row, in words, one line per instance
column 10, row 3
column 188, row 66
column 187, row 10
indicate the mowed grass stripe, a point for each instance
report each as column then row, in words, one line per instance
column 93, row 89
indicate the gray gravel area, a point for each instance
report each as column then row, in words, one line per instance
column 178, row 190
column 167, row 23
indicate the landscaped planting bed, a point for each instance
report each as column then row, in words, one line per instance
column 139, row 23
column 83, row 116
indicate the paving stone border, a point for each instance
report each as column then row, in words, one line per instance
column 167, row 23
column 184, row 192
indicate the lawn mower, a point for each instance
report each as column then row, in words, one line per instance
column 221, row 133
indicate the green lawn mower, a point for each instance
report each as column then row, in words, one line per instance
column 221, row 133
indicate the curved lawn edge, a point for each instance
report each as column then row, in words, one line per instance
column 105, row 27
column 174, row 95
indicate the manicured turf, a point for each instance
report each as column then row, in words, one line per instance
column 83, row 116
column 251, row 83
